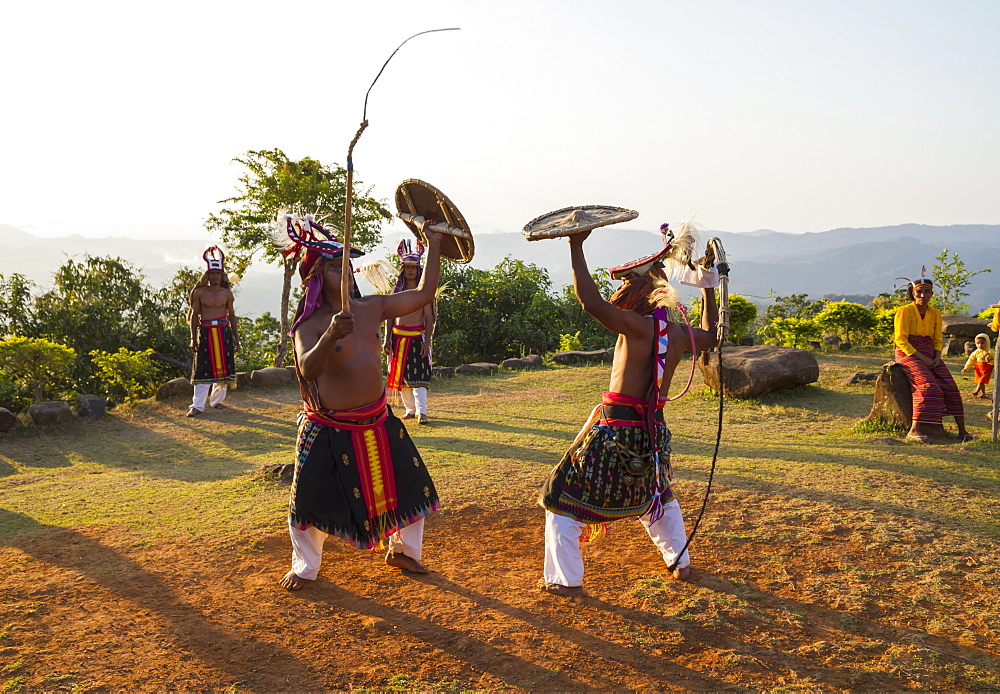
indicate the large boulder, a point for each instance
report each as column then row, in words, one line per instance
column 598, row 356
column 52, row 412
column 961, row 326
column 173, row 388
column 8, row 421
column 242, row 379
column 748, row 372
column 443, row 371
column 91, row 406
column 532, row 361
column 480, row 367
column 954, row 346
column 271, row 376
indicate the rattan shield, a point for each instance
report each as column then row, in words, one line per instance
column 574, row 220
column 417, row 201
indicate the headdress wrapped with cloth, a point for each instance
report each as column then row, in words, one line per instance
column 214, row 258
column 295, row 235
column 410, row 253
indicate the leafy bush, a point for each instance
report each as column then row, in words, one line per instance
column 127, row 376
column 570, row 343
column 36, row 364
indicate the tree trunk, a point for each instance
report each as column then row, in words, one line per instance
column 291, row 264
column 893, row 401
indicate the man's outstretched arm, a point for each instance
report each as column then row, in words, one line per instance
column 589, row 296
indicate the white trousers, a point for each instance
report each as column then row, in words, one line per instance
column 307, row 546
column 414, row 400
column 201, row 394
column 564, row 561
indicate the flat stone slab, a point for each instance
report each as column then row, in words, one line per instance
column 91, row 406
column 271, row 376
column 443, row 371
column 598, row 356
column 480, row 367
column 962, row 326
column 8, row 421
column 52, row 412
column 175, row 387
column 749, row 372
column 532, row 361
column 860, row 377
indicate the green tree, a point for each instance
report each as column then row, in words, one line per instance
column 37, row 364
column 792, row 306
column 105, row 304
column 259, row 339
column 272, row 183
column 846, row 317
column 495, row 314
column 127, row 375
column 952, row 278
column 791, row 332
column 15, row 304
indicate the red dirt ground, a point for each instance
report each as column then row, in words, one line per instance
column 87, row 611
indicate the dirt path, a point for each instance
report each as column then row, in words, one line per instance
column 88, row 611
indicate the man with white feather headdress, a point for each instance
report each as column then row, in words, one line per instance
column 619, row 465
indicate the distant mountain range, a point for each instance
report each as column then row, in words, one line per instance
column 839, row 262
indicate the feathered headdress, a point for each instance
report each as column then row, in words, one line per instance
column 293, row 235
column 923, row 281
column 674, row 258
column 410, row 253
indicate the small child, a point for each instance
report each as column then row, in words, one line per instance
column 982, row 361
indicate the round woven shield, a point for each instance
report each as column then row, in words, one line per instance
column 415, row 198
column 574, row 220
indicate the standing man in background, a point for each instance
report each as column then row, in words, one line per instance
column 408, row 339
column 214, row 336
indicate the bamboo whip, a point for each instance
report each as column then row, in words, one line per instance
column 345, row 261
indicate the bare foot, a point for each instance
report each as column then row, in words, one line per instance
column 193, row 412
column 292, row 581
column 401, row 561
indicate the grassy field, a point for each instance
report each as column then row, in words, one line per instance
column 814, row 524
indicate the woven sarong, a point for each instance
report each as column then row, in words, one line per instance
column 358, row 475
column 213, row 360
column 408, row 368
column 608, row 473
column 935, row 393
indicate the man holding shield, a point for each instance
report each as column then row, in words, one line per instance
column 357, row 473
column 619, row 465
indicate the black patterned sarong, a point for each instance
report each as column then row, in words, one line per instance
column 213, row 360
column 408, row 368
column 358, row 475
column 609, row 472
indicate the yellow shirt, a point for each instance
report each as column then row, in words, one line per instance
column 908, row 322
column 995, row 324
column 983, row 355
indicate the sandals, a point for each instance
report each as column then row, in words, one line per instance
column 919, row 438
column 964, row 438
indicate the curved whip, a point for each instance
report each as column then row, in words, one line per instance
column 345, row 273
column 723, row 331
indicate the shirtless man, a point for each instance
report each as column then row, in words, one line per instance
column 357, row 473
column 408, row 341
column 214, row 335
column 611, row 470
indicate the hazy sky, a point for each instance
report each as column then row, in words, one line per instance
column 793, row 115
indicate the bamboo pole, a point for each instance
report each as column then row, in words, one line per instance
column 345, row 261
column 996, row 389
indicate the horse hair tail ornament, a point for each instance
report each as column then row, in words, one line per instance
column 723, row 328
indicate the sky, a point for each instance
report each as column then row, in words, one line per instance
column 123, row 117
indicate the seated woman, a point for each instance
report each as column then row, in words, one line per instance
column 918, row 340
